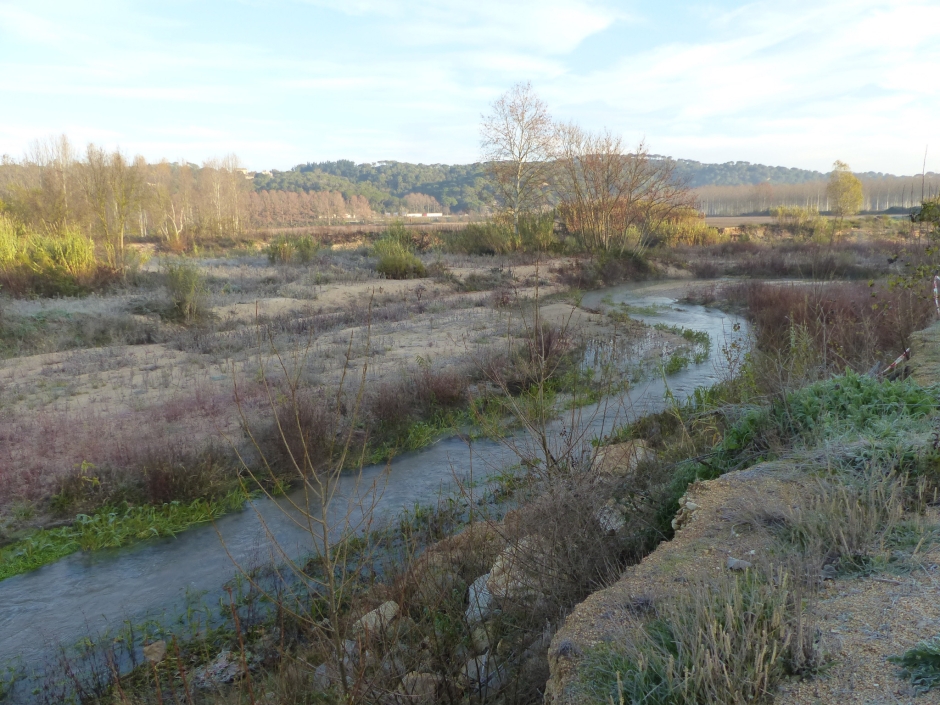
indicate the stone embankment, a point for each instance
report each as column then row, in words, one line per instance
column 860, row 620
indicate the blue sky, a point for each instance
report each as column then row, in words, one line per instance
column 280, row 82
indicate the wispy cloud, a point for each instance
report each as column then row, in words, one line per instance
column 290, row 80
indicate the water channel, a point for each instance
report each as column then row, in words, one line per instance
column 88, row 593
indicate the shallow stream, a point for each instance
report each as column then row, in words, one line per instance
column 89, row 593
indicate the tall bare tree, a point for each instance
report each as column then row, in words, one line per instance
column 518, row 140
column 612, row 198
column 55, row 204
column 113, row 187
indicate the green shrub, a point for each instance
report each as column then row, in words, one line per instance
column 280, row 250
column 396, row 260
column 61, row 264
column 488, row 238
column 401, row 265
column 187, row 290
column 305, row 248
column 285, row 249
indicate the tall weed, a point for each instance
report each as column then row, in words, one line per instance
column 187, row 289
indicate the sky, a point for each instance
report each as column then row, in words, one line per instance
column 282, row 82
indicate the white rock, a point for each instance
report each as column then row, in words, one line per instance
column 481, row 600
column 610, row 517
column 378, row 619
column 482, row 674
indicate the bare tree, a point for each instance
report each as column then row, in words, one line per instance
column 610, row 198
column 55, row 201
column 518, row 140
column 113, row 187
column 422, row 203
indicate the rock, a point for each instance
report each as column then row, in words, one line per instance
column 223, row 669
column 155, row 652
column 421, row 688
column 483, row 675
column 481, row 600
column 735, row 564
column 520, row 570
column 321, row 677
column 620, row 459
column 686, row 511
column 377, row 620
column 404, row 625
column 610, row 517
column 351, row 650
column 480, row 640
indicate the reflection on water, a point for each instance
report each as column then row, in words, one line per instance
column 87, row 593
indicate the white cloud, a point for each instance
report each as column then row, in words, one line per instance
column 841, row 72
column 798, row 84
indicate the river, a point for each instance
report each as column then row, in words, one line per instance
column 88, row 593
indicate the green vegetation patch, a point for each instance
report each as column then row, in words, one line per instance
column 921, row 665
column 848, row 404
column 112, row 528
column 727, row 641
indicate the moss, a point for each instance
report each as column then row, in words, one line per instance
column 112, row 528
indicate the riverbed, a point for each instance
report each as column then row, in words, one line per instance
column 90, row 593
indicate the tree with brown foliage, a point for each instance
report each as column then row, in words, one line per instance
column 518, row 140
column 610, row 198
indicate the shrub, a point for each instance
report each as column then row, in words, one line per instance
column 396, row 261
column 48, row 265
column 187, row 289
column 305, row 248
column 285, row 249
column 280, row 250
column 488, row 238
column 847, row 324
column 495, row 237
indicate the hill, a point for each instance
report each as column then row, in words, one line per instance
column 463, row 187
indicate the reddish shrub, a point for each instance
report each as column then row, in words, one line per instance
column 852, row 324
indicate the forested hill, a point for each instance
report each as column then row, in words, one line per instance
column 462, row 187
column 738, row 173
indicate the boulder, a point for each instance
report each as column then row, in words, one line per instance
column 377, row 620
column 521, row 570
column 611, row 517
column 420, row 688
column 620, row 459
column 483, row 675
column 480, row 600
